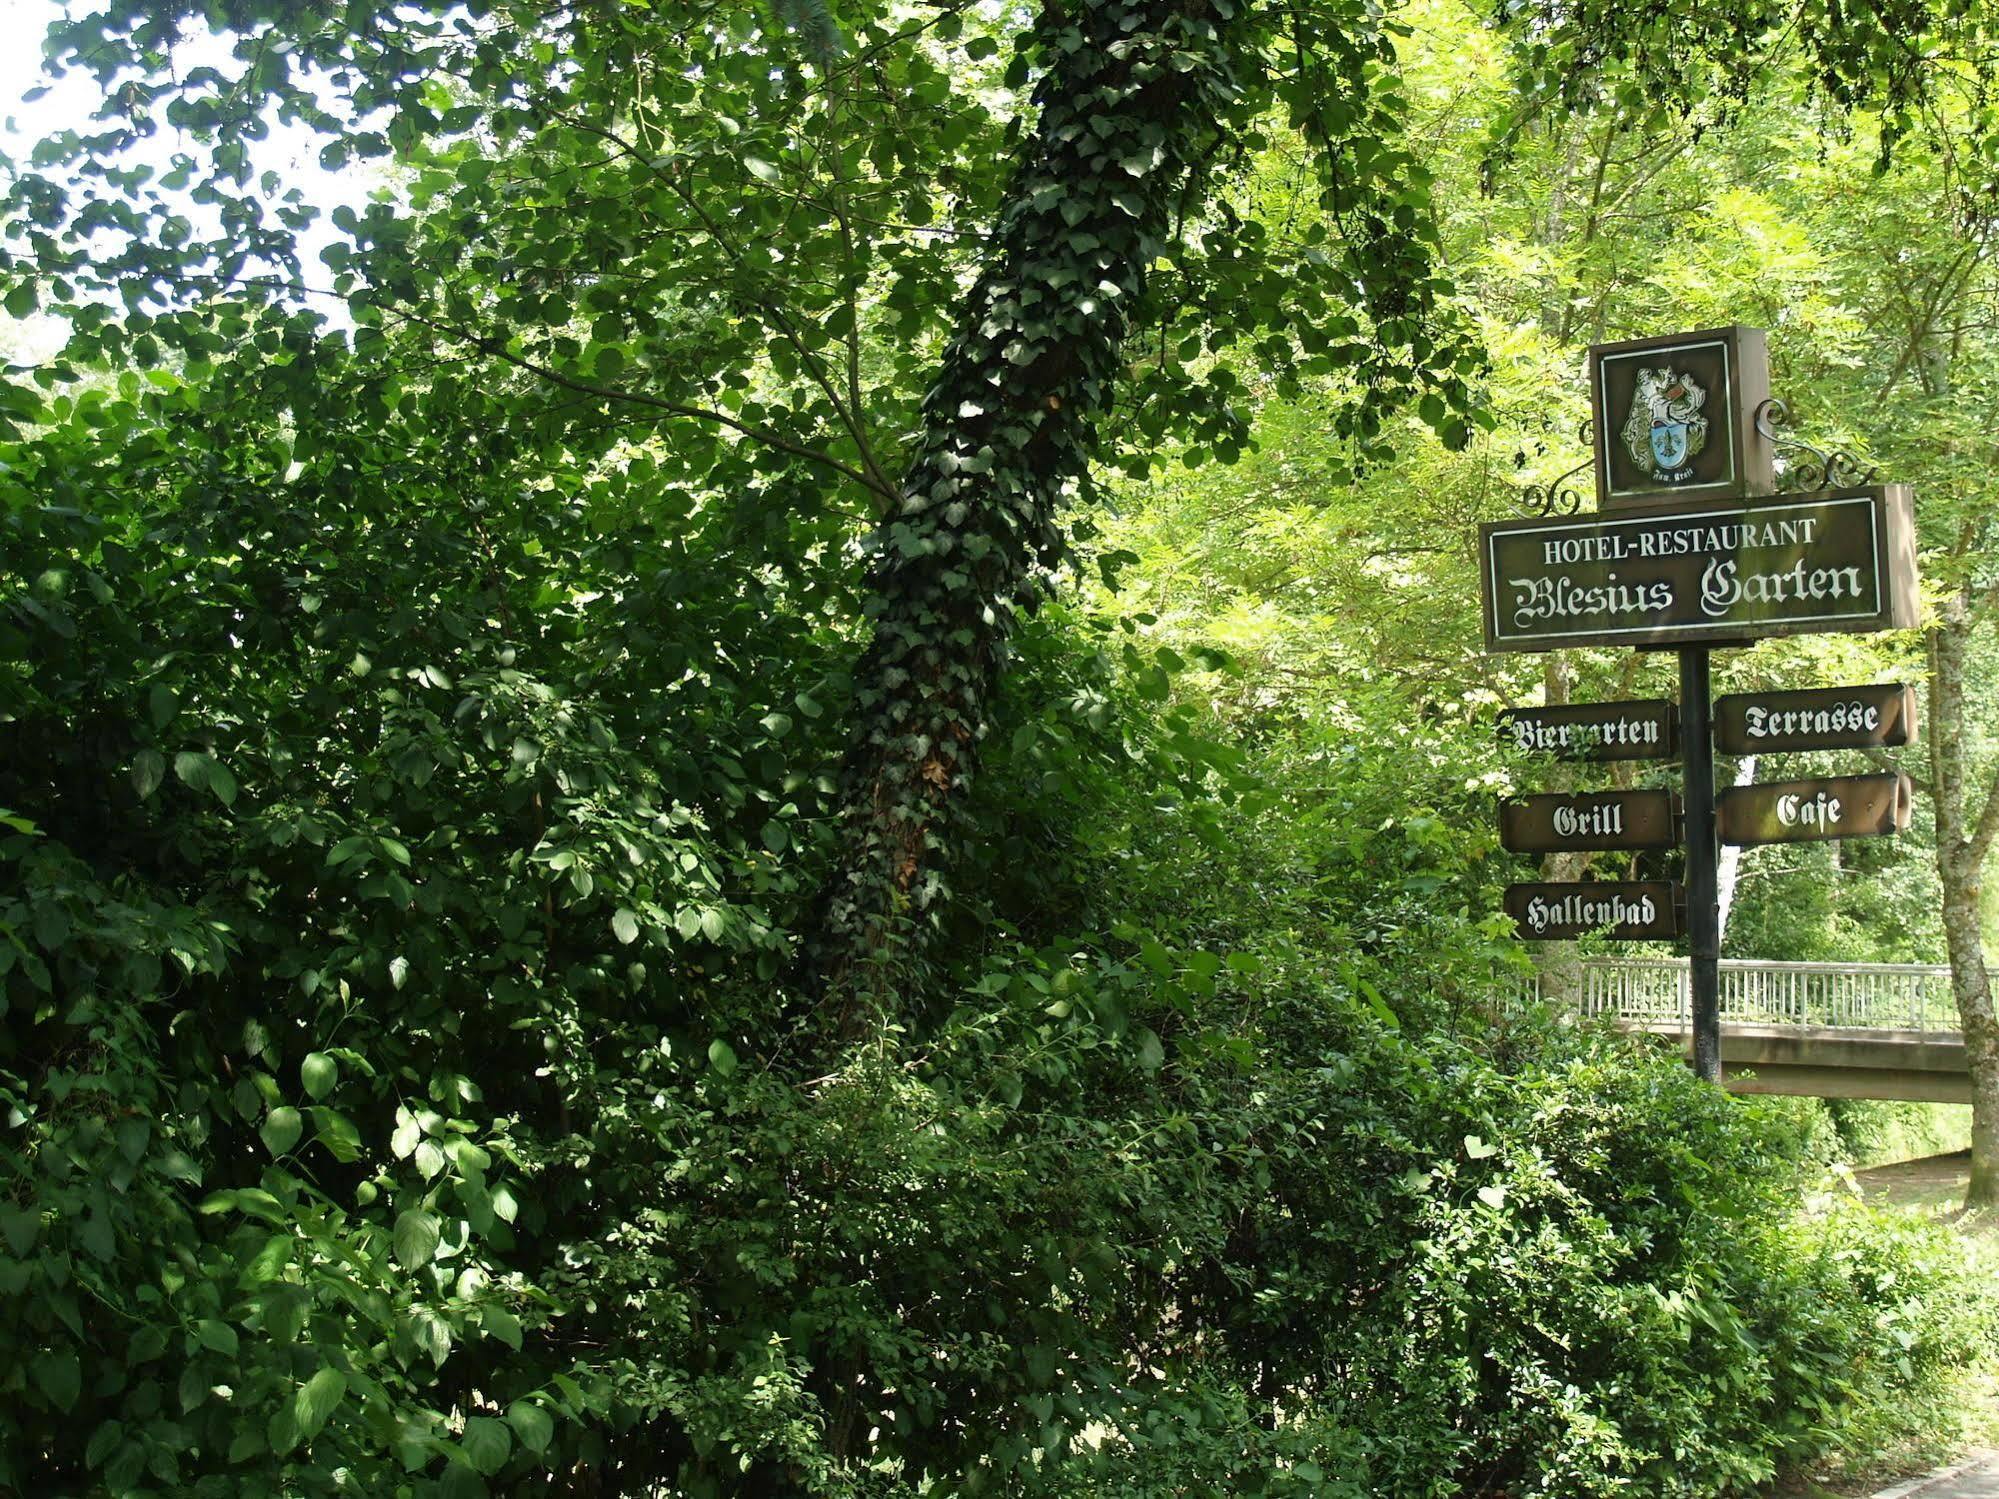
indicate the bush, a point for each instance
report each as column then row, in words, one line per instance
column 405, row 1091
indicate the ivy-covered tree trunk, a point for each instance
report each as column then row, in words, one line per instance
column 1129, row 107
column 1964, row 841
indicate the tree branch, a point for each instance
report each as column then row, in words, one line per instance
column 640, row 398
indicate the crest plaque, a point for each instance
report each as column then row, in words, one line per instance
column 1676, row 417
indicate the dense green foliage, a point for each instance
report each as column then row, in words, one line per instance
column 403, row 1086
column 441, row 795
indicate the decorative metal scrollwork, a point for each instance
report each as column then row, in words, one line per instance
column 1803, row 466
column 1559, row 496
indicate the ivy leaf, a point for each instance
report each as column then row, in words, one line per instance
column 416, row 1237
column 316, row 1400
column 1477, row 1149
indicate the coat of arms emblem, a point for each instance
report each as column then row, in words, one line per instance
column 1665, row 430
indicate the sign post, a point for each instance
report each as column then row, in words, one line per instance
column 1703, row 864
column 1690, row 550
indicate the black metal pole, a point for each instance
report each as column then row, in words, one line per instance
column 1703, row 876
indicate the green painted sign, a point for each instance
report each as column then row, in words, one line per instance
column 1722, row 571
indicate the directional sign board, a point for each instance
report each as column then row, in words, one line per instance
column 1642, row 730
column 1823, row 718
column 1634, row 910
column 1697, row 572
column 1866, row 806
column 1590, row 820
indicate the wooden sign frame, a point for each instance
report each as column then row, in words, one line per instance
column 1702, row 573
column 1717, row 378
column 1816, row 810
column 1880, row 715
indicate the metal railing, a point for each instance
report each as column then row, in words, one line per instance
column 1871, row 996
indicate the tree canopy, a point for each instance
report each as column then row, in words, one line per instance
column 602, row 890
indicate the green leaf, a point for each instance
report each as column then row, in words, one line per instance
column 487, row 1444
column 713, row 924
column 281, row 1129
column 318, row 1072
column 20, row 1227
column 316, row 1400
column 760, row 169
column 416, row 1238
column 625, row 926
column 59, row 1377
column 399, row 971
column 1477, row 1149
column 722, row 1057
column 103, row 1442
column 192, row 768
column 149, row 768
column 337, row 1133
column 498, row 1322
column 218, row 1337
column 162, row 703
column 533, row 1425
column 347, row 848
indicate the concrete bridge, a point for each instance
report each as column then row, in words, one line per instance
column 1822, row 1030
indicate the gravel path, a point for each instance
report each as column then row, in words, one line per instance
column 1977, row 1479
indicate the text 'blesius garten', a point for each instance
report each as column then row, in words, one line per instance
column 1724, row 588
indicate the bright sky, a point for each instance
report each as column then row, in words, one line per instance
column 290, row 152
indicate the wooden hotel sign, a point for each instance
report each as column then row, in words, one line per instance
column 1633, row 910
column 1647, row 729
column 1589, row 820
column 1697, row 572
column 1824, row 718
column 1825, row 807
